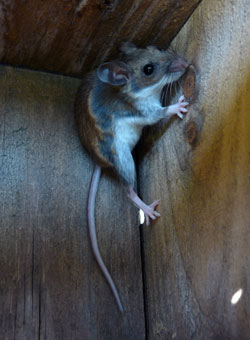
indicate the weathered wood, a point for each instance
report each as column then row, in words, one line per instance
column 50, row 285
column 197, row 254
column 70, row 37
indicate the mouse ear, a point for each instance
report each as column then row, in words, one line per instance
column 127, row 47
column 114, row 73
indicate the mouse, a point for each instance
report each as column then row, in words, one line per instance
column 113, row 104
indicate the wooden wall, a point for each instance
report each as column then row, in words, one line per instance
column 197, row 255
column 50, row 285
column 177, row 277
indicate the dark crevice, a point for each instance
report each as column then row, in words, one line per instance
column 144, row 282
column 3, row 132
column 142, row 252
column 39, row 70
column 39, row 313
column 15, row 322
column 188, row 17
column 32, row 270
column 24, row 298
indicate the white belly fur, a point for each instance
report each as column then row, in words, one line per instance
column 128, row 130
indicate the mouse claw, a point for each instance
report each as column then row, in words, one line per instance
column 155, row 204
column 181, row 107
column 150, row 212
column 180, row 115
column 181, row 99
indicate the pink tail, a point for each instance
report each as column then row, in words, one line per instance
column 92, row 232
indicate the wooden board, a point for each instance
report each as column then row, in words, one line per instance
column 70, row 37
column 50, row 285
column 197, row 255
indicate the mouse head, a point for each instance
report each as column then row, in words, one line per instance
column 142, row 71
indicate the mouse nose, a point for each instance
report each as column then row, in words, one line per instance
column 178, row 64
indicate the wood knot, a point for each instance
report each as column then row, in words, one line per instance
column 189, row 83
column 191, row 132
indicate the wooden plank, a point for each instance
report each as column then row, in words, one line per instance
column 50, row 285
column 197, row 254
column 70, row 37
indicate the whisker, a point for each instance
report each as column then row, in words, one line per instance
column 167, row 94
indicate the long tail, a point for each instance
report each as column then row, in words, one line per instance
column 92, row 232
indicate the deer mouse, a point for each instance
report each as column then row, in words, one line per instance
column 112, row 106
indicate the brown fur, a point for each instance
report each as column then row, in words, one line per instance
column 89, row 131
column 136, row 57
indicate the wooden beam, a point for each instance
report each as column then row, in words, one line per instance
column 71, row 37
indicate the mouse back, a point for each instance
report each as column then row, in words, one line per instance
column 89, row 129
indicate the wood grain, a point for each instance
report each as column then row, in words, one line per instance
column 197, row 254
column 71, row 37
column 50, row 285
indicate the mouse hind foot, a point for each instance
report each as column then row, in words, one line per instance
column 149, row 210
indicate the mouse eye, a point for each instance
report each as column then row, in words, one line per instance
column 148, row 69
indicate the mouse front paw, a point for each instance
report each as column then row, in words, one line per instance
column 181, row 107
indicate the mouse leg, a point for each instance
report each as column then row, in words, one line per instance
column 125, row 167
